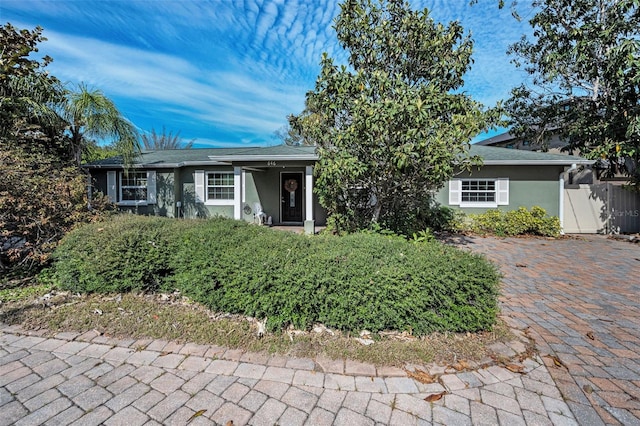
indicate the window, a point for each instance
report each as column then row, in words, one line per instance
column 215, row 188
column 220, row 186
column 483, row 191
column 479, row 192
column 131, row 188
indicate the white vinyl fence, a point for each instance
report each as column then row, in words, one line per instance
column 601, row 208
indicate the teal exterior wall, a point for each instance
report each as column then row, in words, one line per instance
column 187, row 192
column 165, row 193
column 528, row 186
column 262, row 185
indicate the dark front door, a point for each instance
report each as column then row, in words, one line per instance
column 291, row 190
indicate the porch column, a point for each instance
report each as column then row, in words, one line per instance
column 309, row 223
column 237, row 192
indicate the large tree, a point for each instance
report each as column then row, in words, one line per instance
column 27, row 91
column 42, row 189
column 584, row 64
column 394, row 125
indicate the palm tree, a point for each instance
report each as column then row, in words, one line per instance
column 155, row 141
column 89, row 114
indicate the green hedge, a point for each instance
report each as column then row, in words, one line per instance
column 515, row 222
column 354, row 282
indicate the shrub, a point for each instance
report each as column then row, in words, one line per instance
column 515, row 222
column 126, row 253
column 354, row 282
column 41, row 199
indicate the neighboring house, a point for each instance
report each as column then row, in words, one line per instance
column 508, row 140
column 244, row 182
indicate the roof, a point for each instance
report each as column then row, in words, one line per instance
column 493, row 155
column 218, row 156
column 172, row 158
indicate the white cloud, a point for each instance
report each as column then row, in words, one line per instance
column 228, row 69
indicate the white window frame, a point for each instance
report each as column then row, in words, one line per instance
column 501, row 191
column 114, row 190
column 205, row 188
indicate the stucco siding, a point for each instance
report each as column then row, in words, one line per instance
column 528, row 186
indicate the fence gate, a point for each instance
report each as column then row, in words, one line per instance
column 601, row 208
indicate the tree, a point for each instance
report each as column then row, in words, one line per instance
column 41, row 199
column 88, row 114
column 585, row 67
column 394, row 126
column 42, row 193
column 26, row 90
column 289, row 136
column 155, row 141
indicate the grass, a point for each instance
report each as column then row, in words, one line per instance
column 175, row 318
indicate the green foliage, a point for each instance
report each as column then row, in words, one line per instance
column 26, row 90
column 515, row 222
column 359, row 281
column 44, row 131
column 88, row 115
column 585, row 67
column 393, row 127
column 21, row 293
column 127, row 253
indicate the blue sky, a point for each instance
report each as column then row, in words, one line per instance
column 229, row 72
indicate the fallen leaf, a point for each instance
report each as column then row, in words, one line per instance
column 587, row 388
column 421, row 376
column 591, row 336
column 164, row 353
column 97, row 311
column 556, row 360
column 515, row 368
column 436, row 396
column 196, row 414
column 229, row 423
column 521, row 265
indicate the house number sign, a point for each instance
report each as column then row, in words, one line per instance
column 271, row 163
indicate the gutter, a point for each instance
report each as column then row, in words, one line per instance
column 215, row 161
column 561, row 196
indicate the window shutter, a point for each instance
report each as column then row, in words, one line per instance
column 151, row 187
column 199, row 180
column 503, row 191
column 111, row 186
column 454, row 192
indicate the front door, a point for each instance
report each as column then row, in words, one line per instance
column 291, row 197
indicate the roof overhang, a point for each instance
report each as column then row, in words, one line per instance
column 254, row 158
column 567, row 162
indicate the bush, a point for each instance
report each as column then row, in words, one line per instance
column 358, row 281
column 515, row 222
column 41, row 199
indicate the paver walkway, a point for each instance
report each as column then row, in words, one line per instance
column 580, row 298
column 91, row 380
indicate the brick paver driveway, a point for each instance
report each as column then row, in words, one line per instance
column 579, row 299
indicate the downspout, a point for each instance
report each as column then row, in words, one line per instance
column 561, row 198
